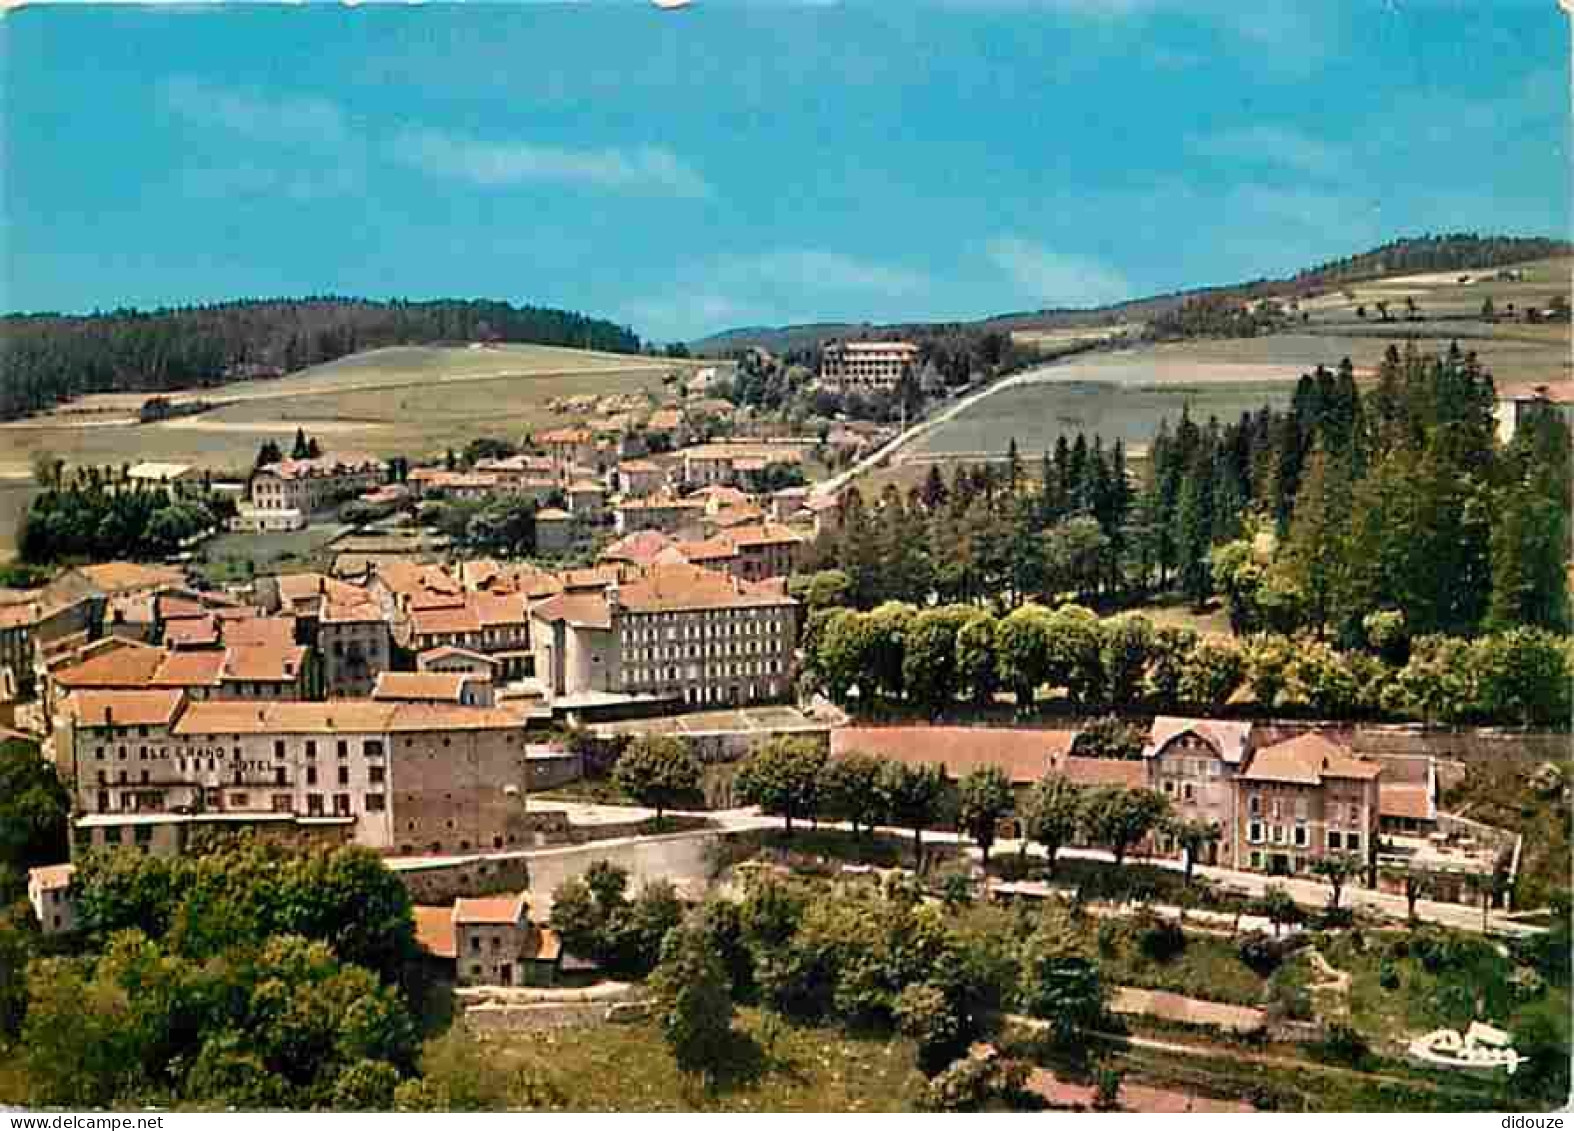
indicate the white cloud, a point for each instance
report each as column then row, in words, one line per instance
column 308, row 120
column 1271, row 145
column 1051, row 278
column 776, row 287
column 810, row 269
column 643, row 169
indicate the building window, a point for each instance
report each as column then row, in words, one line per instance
column 375, row 774
column 341, row 804
column 1352, row 841
column 374, row 803
column 278, row 748
column 1188, row 792
column 475, row 946
column 1334, row 839
column 311, row 748
column 343, row 749
column 1301, row 839
column 344, row 775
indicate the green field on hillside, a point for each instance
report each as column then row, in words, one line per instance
column 406, row 400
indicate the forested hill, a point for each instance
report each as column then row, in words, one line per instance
column 47, row 358
column 1457, row 252
column 1408, row 256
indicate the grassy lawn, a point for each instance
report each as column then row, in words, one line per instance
column 781, row 1068
column 1207, row 968
column 1211, row 621
column 238, row 557
column 1097, row 399
column 1474, row 982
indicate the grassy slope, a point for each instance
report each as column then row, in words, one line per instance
column 628, row 1068
column 409, row 400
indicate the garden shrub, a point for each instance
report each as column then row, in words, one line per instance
column 1342, row 1044
column 1388, row 975
column 1161, row 940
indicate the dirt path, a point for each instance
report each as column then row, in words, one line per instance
column 1338, row 981
column 1205, row 1052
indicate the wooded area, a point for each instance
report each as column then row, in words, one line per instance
column 48, row 358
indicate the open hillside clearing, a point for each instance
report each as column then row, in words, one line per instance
column 414, row 401
column 1124, row 393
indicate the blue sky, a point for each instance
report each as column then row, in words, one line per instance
column 761, row 161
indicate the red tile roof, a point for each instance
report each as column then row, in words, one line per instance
column 490, row 910
column 641, row 547
column 190, row 669
column 1103, row 771
column 1406, row 801
column 582, row 610
column 441, row 687
column 118, row 577
column 667, row 588
column 765, row 534
column 129, row 665
column 355, row 716
column 124, row 708
column 1232, row 740
column 191, row 632
column 1307, row 760
column 342, row 463
column 268, row 632
column 434, row 931
column 265, row 663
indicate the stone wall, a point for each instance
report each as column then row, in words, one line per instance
column 1451, row 744
column 682, row 858
column 466, row 877
column 458, row 791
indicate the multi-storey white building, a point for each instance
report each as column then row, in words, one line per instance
column 676, row 632
column 309, row 485
column 866, row 367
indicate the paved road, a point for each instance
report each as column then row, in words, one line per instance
column 1213, row 1052
column 834, row 484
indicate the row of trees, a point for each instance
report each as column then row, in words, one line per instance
column 48, row 358
column 1346, row 503
column 99, row 515
column 796, row 779
column 1311, row 517
column 932, row 658
column 1218, row 315
column 248, row 975
column 992, row 535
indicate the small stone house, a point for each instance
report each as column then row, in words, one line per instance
column 490, row 941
